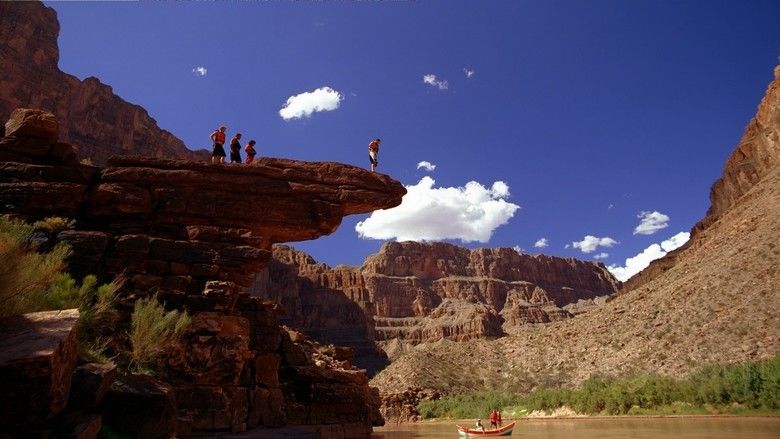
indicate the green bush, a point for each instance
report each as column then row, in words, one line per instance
column 734, row 389
column 152, row 331
column 25, row 274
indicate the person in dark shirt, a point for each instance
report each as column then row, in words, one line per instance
column 235, row 149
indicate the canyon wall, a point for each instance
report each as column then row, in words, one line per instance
column 92, row 117
column 411, row 293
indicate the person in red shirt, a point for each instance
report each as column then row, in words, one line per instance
column 500, row 422
column 494, row 419
column 373, row 152
column 218, row 152
column 250, row 151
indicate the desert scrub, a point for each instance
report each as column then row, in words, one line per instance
column 25, row 274
column 748, row 388
column 152, row 331
column 54, row 224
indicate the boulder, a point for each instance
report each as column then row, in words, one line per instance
column 140, row 406
column 38, row 353
column 90, row 383
column 30, row 123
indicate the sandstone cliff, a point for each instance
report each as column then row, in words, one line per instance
column 181, row 231
column 94, row 119
column 411, row 293
column 718, row 302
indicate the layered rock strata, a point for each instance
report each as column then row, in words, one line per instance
column 92, row 116
column 410, row 293
column 194, row 234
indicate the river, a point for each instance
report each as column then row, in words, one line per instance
column 606, row 428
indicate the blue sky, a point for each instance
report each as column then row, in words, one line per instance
column 586, row 113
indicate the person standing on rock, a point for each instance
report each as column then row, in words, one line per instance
column 218, row 151
column 373, row 152
column 235, row 149
column 250, row 151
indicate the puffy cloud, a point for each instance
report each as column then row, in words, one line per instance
column 590, row 243
column 651, row 222
column 428, row 166
column 200, row 71
column 601, row 255
column 431, row 80
column 304, row 104
column 541, row 243
column 468, row 213
column 639, row 262
column 468, row 72
column 518, row 249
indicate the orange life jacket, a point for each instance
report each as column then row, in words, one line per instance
column 219, row 137
column 374, row 146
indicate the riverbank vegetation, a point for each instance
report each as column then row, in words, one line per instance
column 748, row 388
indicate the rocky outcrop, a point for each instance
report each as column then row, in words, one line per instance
column 37, row 358
column 181, row 231
column 410, row 293
column 756, row 155
column 100, row 123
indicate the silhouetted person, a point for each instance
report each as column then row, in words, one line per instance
column 235, row 149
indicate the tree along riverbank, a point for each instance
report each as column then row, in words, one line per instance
column 751, row 388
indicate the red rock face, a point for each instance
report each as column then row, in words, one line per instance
column 182, row 231
column 410, row 293
column 94, row 119
column 756, row 155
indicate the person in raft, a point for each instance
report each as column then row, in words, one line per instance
column 235, row 149
column 218, row 151
column 250, row 151
column 494, row 419
column 479, row 426
column 373, row 152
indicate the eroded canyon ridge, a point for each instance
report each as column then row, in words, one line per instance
column 411, row 293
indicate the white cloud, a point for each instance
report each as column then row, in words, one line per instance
column 200, row 71
column 651, row 222
column 518, row 249
column 601, row 255
column 610, row 206
column 590, row 243
column 468, row 213
column 431, row 79
column 468, row 72
column 541, row 243
column 428, row 166
column 639, row 262
column 567, row 246
column 304, row 104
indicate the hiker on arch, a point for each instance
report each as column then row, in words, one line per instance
column 373, row 152
column 218, row 151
